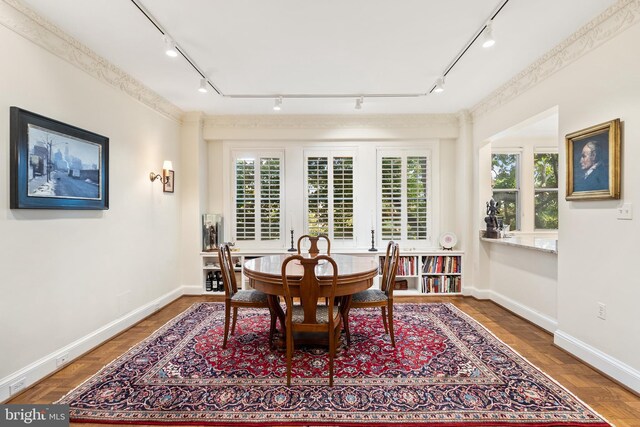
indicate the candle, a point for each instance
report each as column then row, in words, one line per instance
column 372, row 220
column 291, row 222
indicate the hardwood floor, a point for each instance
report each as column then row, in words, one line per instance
column 618, row 405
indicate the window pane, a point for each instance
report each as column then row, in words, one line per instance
column 245, row 200
column 416, row 198
column 318, row 195
column 391, row 203
column 270, row 198
column 504, row 171
column 343, row 197
column 508, row 202
column 546, row 216
column 545, row 170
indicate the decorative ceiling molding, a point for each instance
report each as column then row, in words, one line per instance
column 400, row 121
column 607, row 25
column 24, row 21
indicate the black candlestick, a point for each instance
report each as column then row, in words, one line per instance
column 292, row 249
column 373, row 241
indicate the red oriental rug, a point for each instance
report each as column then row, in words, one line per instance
column 446, row 370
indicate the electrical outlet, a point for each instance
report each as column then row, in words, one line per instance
column 602, row 311
column 625, row 211
column 62, row 359
column 17, row 386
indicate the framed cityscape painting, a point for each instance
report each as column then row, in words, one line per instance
column 55, row 165
column 593, row 162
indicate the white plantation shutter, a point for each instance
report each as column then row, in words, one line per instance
column 330, row 195
column 270, row 198
column 404, row 189
column 416, row 197
column 391, row 200
column 258, row 197
column 343, row 197
column 245, row 199
column 318, row 195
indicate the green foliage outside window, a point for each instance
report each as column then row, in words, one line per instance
column 545, row 177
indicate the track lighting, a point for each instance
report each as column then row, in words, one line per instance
column 488, row 35
column 277, row 104
column 170, row 47
column 439, row 85
column 203, row 86
column 359, row 102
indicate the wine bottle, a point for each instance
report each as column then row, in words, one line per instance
column 209, row 282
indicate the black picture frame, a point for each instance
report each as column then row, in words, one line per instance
column 55, row 165
column 593, row 162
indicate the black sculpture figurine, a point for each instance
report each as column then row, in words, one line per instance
column 493, row 231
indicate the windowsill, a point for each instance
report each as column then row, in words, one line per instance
column 544, row 242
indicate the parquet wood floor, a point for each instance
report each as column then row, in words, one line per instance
column 618, row 405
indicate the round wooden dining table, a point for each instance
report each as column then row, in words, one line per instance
column 355, row 274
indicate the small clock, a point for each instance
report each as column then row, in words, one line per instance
column 448, row 240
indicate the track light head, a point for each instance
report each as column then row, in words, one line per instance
column 277, row 104
column 170, row 47
column 359, row 102
column 439, row 85
column 203, row 86
column 488, row 35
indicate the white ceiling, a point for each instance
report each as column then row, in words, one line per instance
column 328, row 47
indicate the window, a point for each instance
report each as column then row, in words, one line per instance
column 404, row 184
column 329, row 183
column 258, row 197
column 506, row 187
column 545, row 181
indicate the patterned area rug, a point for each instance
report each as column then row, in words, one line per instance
column 447, row 370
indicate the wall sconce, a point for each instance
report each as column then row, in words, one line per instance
column 167, row 177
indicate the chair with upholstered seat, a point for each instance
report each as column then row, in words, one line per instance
column 234, row 298
column 313, row 240
column 310, row 317
column 382, row 297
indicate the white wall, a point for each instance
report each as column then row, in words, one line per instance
column 66, row 274
column 597, row 251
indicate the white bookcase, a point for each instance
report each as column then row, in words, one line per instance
column 425, row 272
column 429, row 273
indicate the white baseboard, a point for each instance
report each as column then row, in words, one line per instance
column 192, row 290
column 610, row 366
column 47, row 365
column 545, row 322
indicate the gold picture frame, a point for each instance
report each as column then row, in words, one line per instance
column 593, row 162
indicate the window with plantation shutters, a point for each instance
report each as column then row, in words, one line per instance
column 330, row 195
column 403, row 185
column 258, row 197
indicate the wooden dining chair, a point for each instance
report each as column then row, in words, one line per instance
column 313, row 240
column 234, row 298
column 309, row 316
column 382, row 297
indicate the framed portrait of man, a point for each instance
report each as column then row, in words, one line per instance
column 593, row 162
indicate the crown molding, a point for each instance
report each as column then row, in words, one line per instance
column 401, row 121
column 613, row 21
column 27, row 23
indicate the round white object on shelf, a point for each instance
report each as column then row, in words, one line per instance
column 448, row 240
